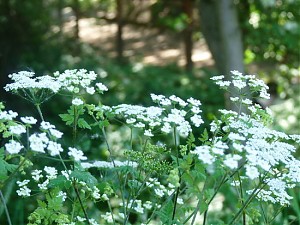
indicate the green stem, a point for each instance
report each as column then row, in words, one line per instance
column 80, row 202
column 65, row 167
column 5, row 208
column 75, row 127
column 247, row 202
column 39, row 111
column 15, row 171
column 242, row 198
column 113, row 162
column 177, row 161
column 110, row 209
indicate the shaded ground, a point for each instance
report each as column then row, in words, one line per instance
column 146, row 45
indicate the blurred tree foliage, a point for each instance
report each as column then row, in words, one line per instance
column 32, row 37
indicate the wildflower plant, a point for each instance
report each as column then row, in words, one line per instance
column 151, row 181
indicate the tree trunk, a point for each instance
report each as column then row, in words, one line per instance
column 220, row 27
column 188, row 35
column 76, row 9
column 119, row 38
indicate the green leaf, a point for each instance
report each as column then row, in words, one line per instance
column 166, row 212
column 60, row 182
column 204, row 136
column 3, row 170
column 83, row 124
column 5, row 167
column 86, row 177
column 103, row 123
column 55, row 203
column 67, row 118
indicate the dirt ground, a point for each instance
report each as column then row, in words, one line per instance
column 145, row 45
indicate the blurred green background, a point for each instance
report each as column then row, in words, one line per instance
column 165, row 47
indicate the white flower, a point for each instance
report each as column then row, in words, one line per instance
column 203, row 154
column 108, row 217
column 167, row 128
column 36, row 175
column 8, row 115
column 95, row 193
column 156, row 98
column 26, row 80
column 130, row 120
column 24, row 191
column 178, row 100
column 180, row 201
column 51, row 172
column 63, row 195
column 231, row 161
column 28, row 120
column 80, row 219
column 194, row 102
column 234, row 99
column 148, row 133
column 239, row 84
column 223, row 83
column 17, row 129
column 13, row 147
column 147, row 205
column 43, row 186
column 22, row 183
column 54, row 148
column 197, row 120
column 217, row 77
column 104, row 197
column 77, row 101
column 101, row 87
column 38, row 142
column 159, row 192
column 139, row 125
column 90, row 90
column 55, row 133
column 247, row 101
column 46, row 125
column 252, row 172
column 76, row 154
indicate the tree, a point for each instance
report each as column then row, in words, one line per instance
column 119, row 38
column 220, row 27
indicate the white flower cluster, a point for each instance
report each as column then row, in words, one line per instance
column 75, row 80
column 171, row 112
column 264, row 151
column 40, row 141
column 159, row 189
column 240, row 81
column 33, row 88
column 108, row 165
column 26, row 80
column 8, row 115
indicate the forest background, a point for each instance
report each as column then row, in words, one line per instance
column 157, row 46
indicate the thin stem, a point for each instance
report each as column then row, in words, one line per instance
column 80, row 202
column 5, row 208
column 263, row 213
column 16, row 170
column 242, row 197
column 65, row 167
column 75, row 127
column 247, row 202
column 177, row 161
column 39, row 111
column 110, row 209
column 131, row 137
column 214, row 195
column 114, row 164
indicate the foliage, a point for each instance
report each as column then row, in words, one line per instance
column 169, row 170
